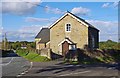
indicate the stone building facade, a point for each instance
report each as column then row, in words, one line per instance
column 68, row 33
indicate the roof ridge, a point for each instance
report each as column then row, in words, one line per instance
column 83, row 20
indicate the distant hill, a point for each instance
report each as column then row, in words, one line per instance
column 109, row 44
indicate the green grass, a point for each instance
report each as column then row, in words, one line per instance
column 74, row 62
column 40, row 59
column 32, row 56
column 100, row 58
column 106, row 59
column 22, row 52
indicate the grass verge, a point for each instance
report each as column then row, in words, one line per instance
column 32, row 56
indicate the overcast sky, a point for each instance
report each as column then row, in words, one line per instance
column 23, row 20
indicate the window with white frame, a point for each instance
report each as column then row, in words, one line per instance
column 68, row 27
column 72, row 47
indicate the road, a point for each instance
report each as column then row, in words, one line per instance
column 57, row 68
column 13, row 65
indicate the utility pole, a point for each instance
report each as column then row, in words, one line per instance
column 5, row 42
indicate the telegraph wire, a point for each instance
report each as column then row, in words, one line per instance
column 45, row 7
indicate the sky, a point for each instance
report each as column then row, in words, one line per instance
column 23, row 20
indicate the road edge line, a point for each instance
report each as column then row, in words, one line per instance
column 26, row 71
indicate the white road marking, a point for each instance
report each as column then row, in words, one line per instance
column 78, row 65
column 111, row 68
column 19, row 75
column 68, row 66
column 75, row 73
column 7, row 63
column 22, row 73
column 26, row 71
column 31, row 64
column 72, row 65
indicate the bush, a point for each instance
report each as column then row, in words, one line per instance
column 109, row 45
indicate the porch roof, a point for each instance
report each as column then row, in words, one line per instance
column 68, row 40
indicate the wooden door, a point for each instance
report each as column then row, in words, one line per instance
column 65, row 48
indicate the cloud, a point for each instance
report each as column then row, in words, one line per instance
column 19, row 7
column 115, row 4
column 24, row 33
column 33, row 19
column 19, row 36
column 110, row 5
column 80, row 11
column 49, row 9
column 105, row 5
column 76, row 10
column 108, row 29
column 30, row 29
column 20, row 0
column 1, row 29
column 103, row 23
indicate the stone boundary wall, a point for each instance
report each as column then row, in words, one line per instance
column 45, row 52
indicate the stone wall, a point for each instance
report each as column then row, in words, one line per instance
column 37, row 43
column 45, row 52
column 78, row 34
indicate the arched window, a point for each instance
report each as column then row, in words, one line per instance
column 68, row 27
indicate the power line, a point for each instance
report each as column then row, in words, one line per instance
column 37, row 5
column 45, row 7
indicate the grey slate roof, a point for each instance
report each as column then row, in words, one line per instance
column 44, row 34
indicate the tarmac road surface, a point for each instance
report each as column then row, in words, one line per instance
column 13, row 65
column 57, row 68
